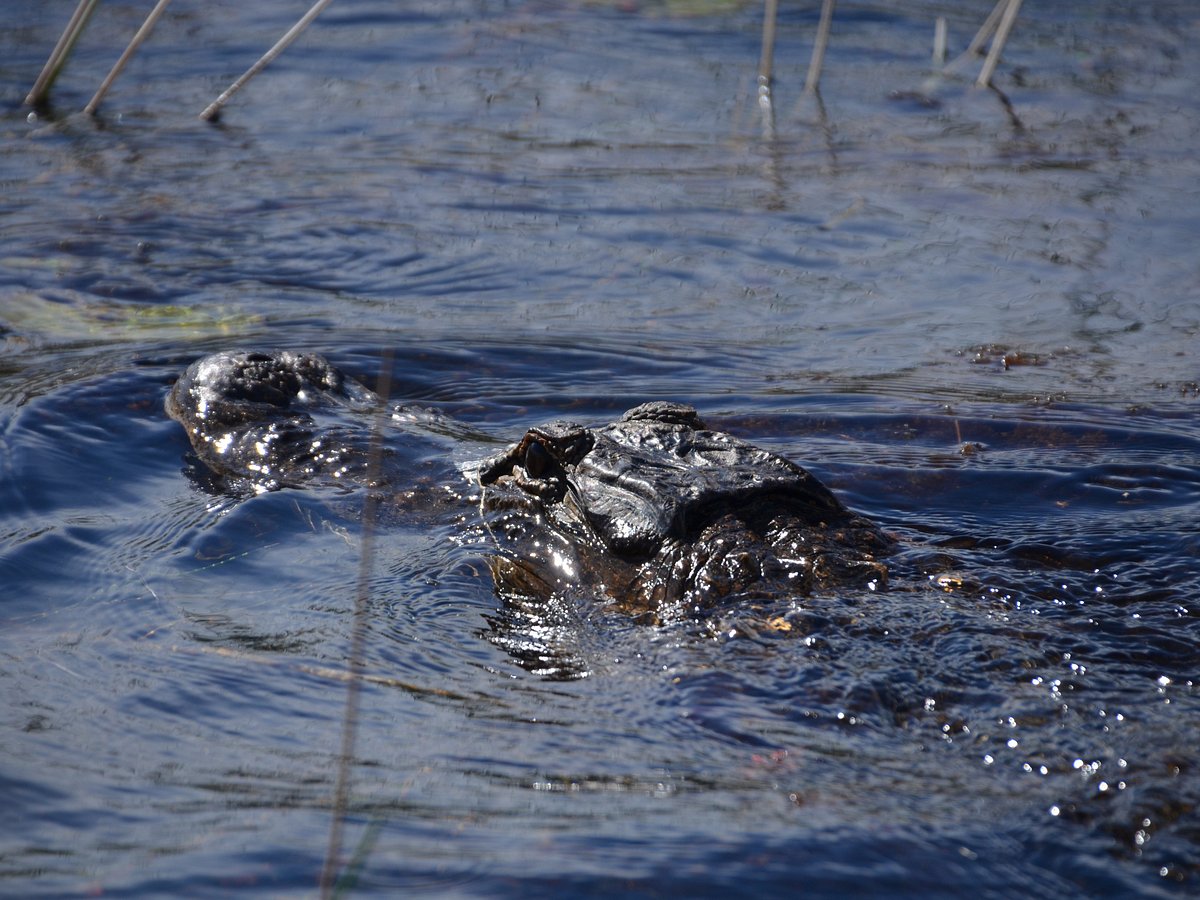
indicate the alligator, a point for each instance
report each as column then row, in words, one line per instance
column 655, row 513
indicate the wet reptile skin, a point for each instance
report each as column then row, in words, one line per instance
column 653, row 512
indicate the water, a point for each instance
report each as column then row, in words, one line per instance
column 976, row 323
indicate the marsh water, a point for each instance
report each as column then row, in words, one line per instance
column 973, row 313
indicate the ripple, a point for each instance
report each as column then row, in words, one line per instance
column 980, row 333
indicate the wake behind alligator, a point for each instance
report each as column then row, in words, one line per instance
column 654, row 513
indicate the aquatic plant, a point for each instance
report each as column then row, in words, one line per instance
column 995, row 28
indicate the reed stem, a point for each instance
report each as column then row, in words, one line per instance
column 993, row 57
column 981, row 38
column 766, row 62
column 939, row 41
column 58, row 56
column 358, row 633
column 213, row 109
column 142, row 33
column 986, row 29
column 822, row 41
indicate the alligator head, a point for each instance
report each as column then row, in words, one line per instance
column 666, row 517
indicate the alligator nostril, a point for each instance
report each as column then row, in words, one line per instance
column 537, row 460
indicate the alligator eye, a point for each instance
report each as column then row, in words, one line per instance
column 537, row 460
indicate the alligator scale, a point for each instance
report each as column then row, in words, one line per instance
column 654, row 512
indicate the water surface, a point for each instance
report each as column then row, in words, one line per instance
column 973, row 313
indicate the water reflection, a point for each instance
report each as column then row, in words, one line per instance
column 981, row 335
column 1037, row 618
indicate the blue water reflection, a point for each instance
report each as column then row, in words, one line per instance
column 975, row 321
